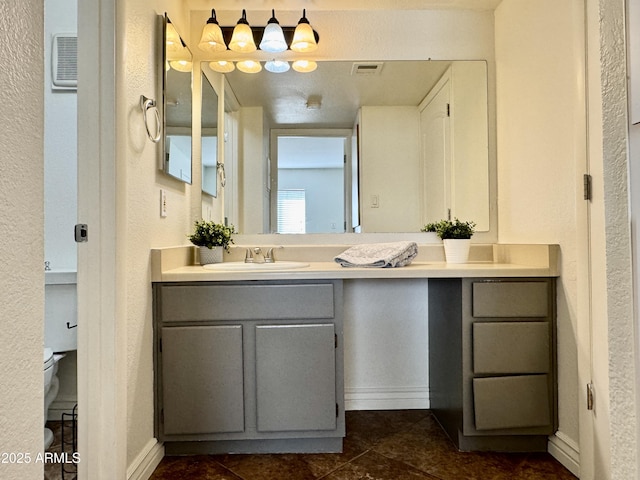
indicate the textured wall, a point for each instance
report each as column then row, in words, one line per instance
column 538, row 153
column 21, row 231
column 615, row 163
column 139, row 183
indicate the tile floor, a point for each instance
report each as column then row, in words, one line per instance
column 380, row 445
column 53, row 471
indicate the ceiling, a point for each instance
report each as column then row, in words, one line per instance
column 346, row 4
column 340, row 91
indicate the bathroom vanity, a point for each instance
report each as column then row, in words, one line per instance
column 492, row 361
column 253, row 360
column 249, row 366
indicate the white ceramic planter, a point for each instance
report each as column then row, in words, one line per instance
column 210, row 255
column 456, row 250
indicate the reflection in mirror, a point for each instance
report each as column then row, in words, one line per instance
column 310, row 193
column 209, row 136
column 176, row 154
column 404, row 167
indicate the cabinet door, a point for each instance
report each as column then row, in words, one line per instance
column 202, row 379
column 296, row 377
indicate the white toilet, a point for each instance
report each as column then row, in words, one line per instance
column 59, row 334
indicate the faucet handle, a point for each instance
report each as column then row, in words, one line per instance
column 268, row 258
column 248, row 257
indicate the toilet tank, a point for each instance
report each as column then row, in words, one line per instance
column 60, row 308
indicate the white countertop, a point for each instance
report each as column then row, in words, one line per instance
column 175, row 264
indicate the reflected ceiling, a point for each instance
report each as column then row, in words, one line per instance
column 338, row 86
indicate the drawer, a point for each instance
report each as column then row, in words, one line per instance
column 246, row 302
column 511, row 347
column 510, row 299
column 511, row 402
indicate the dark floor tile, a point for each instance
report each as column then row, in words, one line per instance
column 539, row 466
column 268, row 467
column 53, row 470
column 373, row 466
column 366, row 428
column 380, row 445
column 200, row 467
column 426, row 447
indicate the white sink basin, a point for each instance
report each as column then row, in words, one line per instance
column 255, row 267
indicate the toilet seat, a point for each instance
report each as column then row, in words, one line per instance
column 48, row 358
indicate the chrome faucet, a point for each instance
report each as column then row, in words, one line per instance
column 256, row 255
column 269, row 258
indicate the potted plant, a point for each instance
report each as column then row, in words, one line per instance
column 212, row 238
column 456, row 236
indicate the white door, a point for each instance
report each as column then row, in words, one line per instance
column 101, row 369
column 435, row 131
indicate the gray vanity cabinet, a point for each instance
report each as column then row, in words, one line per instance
column 249, row 366
column 492, row 361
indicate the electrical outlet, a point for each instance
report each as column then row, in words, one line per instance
column 163, row 202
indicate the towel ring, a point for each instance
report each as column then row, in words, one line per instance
column 223, row 175
column 147, row 104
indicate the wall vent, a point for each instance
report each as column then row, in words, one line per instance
column 367, row 68
column 64, row 61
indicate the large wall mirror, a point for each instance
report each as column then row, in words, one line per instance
column 177, row 101
column 411, row 136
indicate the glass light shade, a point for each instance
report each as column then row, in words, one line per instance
column 277, row 66
column 304, row 66
column 249, row 66
column 242, row 38
column 212, row 39
column 273, row 39
column 173, row 41
column 222, row 66
column 304, row 40
column 181, row 65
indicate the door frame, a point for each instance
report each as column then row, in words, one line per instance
column 102, row 395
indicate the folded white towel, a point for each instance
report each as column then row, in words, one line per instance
column 381, row 255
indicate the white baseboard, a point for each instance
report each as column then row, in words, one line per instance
column 392, row 398
column 146, row 461
column 566, row 451
column 59, row 406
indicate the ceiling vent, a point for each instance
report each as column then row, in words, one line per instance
column 64, row 61
column 367, row 68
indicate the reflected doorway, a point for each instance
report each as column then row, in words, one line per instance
column 308, row 193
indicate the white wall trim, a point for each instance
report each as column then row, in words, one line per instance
column 62, row 404
column 386, row 398
column 147, row 460
column 566, row 451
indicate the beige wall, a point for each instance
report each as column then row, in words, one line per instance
column 139, row 184
column 22, row 228
column 540, row 115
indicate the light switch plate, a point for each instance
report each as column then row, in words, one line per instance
column 163, row 202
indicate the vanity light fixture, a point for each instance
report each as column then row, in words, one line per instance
column 222, row 66
column 304, row 66
column 304, row 39
column 273, row 37
column 181, row 65
column 249, row 66
column 242, row 38
column 276, row 66
column 212, row 39
column 173, row 40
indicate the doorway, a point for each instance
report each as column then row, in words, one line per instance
column 309, row 178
